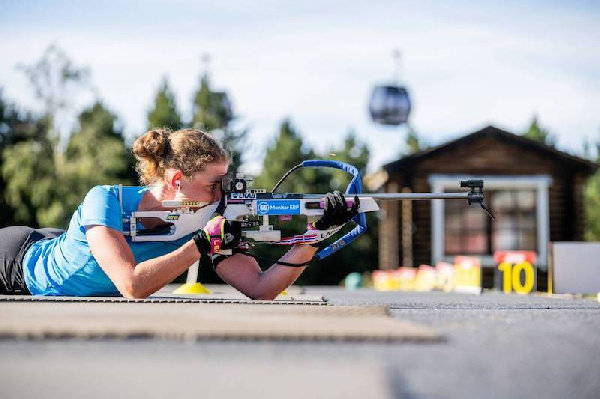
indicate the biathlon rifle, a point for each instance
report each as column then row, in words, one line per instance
column 254, row 208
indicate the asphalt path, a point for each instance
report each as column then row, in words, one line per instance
column 495, row 346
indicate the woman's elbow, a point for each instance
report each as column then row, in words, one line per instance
column 130, row 290
column 133, row 295
column 262, row 296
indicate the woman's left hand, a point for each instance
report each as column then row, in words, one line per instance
column 336, row 211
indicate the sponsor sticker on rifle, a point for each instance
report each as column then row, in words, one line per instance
column 279, row 207
column 243, row 196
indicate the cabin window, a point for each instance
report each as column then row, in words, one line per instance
column 469, row 231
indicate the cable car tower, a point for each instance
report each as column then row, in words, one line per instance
column 390, row 103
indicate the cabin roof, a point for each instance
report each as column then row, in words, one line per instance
column 572, row 161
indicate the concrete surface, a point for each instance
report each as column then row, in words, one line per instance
column 497, row 346
column 45, row 320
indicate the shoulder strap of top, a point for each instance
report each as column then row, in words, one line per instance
column 121, row 199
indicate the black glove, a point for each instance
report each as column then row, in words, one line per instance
column 336, row 211
column 218, row 234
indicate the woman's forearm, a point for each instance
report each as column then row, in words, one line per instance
column 278, row 277
column 243, row 273
column 153, row 274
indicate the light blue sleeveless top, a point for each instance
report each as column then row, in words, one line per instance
column 64, row 266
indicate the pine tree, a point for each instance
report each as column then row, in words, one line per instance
column 234, row 141
column 164, row 113
column 45, row 183
column 96, row 154
column 592, row 203
column 537, row 133
column 33, row 168
column 212, row 110
column 30, row 171
column 286, row 151
column 213, row 113
column 14, row 128
column 414, row 142
column 352, row 152
column 361, row 255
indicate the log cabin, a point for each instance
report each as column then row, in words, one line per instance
column 535, row 191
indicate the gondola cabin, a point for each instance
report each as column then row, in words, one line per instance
column 389, row 105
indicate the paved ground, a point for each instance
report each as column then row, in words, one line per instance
column 496, row 346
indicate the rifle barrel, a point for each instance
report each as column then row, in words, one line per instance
column 401, row 196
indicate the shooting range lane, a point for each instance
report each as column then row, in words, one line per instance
column 495, row 346
column 43, row 319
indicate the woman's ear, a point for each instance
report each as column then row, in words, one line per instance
column 174, row 179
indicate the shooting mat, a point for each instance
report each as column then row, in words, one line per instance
column 201, row 321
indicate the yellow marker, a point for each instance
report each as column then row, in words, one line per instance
column 467, row 275
column 444, row 276
column 512, row 277
column 406, row 277
column 192, row 288
column 386, row 280
column 425, row 279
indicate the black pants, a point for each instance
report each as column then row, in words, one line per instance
column 14, row 243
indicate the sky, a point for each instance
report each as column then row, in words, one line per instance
column 467, row 64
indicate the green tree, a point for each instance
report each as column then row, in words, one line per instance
column 15, row 127
column 288, row 150
column 234, row 141
column 352, row 152
column 212, row 109
column 96, row 154
column 31, row 171
column 361, row 255
column 414, row 142
column 53, row 182
column 538, row 133
column 213, row 113
column 283, row 153
column 32, row 168
column 592, row 203
column 44, row 182
column 56, row 81
column 164, row 112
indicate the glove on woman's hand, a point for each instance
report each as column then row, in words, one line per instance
column 336, row 211
column 218, row 234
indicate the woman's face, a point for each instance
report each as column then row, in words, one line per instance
column 205, row 186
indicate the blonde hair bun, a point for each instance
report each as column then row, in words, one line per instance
column 189, row 150
column 153, row 144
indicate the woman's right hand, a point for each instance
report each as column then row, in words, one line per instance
column 218, row 234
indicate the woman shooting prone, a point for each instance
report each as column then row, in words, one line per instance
column 94, row 258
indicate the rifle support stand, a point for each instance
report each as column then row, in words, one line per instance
column 192, row 286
